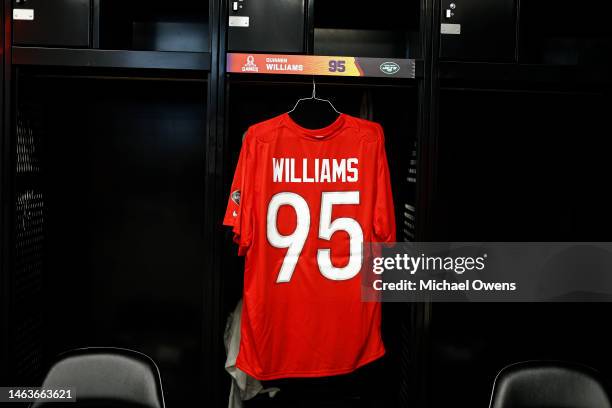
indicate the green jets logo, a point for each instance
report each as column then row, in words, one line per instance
column 389, row 68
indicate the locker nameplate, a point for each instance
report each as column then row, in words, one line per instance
column 238, row 21
column 452, row 29
column 23, row 14
column 242, row 63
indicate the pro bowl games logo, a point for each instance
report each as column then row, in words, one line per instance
column 250, row 65
column 236, row 197
column 389, row 68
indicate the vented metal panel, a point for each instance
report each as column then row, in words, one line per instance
column 28, row 148
column 408, row 219
column 412, row 321
column 27, row 272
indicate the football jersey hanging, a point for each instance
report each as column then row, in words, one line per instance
column 302, row 204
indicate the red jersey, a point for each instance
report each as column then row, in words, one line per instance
column 302, row 204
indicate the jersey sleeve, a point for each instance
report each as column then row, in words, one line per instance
column 238, row 214
column 384, row 211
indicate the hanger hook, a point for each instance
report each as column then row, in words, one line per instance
column 314, row 88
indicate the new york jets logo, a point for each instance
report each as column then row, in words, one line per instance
column 389, row 68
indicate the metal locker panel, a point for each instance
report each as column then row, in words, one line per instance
column 266, row 25
column 57, row 23
column 478, row 30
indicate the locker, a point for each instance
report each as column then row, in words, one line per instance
column 59, row 23
column 478, row 30
column 270, row 26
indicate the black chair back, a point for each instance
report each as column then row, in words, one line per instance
column 106, row 377
column 548, row 385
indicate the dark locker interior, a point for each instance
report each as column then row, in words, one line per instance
column 118, row 150
column 543, row 182
column 107, row 173
column 110, row 171
column 559, row 134
column 355, row 28
column 152, row 25
column 560, row 33
column 524, row 157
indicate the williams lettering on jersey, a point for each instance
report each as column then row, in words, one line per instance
column 315, row 170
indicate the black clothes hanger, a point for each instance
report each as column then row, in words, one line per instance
column 313, row 112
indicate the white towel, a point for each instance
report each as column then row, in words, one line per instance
column 244, row 387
